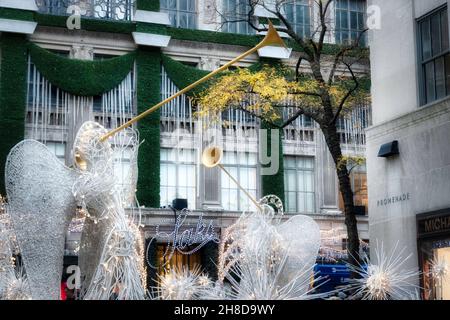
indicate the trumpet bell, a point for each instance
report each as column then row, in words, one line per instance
column 80, row 162
column 212, row 156
column 272, row 37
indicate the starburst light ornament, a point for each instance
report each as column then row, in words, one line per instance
column 387, row 279
column 182, row 284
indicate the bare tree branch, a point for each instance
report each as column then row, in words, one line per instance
column 305, row 93
column 341, row 54
column 290, row 30
column 292, row 118
column 297, row 68
column 324, row 28
column 285, row 124
column 254, row 114
column 347, row 95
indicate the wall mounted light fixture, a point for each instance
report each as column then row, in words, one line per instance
column 389, row 149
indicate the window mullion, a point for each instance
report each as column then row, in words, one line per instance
column 441, row 54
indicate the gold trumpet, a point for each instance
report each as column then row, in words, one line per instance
column 272, row 38
column 211, row 157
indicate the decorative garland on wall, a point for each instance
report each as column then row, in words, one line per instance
column 87, row 78
column 13, row 79
column 80, row 77
column 148, row 62
column 183, row 75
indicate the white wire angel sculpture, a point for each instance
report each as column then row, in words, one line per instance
column 43, row 195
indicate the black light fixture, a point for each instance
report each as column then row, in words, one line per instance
column 389, row 149
column 179, row 204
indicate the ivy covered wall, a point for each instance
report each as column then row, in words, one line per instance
column 148, row 63
column 16, row 14
column 88, row 24
column 98, row 77
column 13, row 80
column 273, row 184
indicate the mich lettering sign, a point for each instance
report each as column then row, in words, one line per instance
column 434, row 223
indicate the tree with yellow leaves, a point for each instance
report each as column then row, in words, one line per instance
column 328, row 90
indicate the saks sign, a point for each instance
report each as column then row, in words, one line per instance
column 183, row 239
column 186, row 242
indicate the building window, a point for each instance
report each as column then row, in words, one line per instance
column 58, row 149
column 434, row 56
column 358, row 180
column 178, row 176
column 235, row 16
column 298, row 13
column 350, row 21
column 299, row 184
column 182, row 13
column 242, row 166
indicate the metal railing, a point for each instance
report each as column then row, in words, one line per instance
column 122, row 10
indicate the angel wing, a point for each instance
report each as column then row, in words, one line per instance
column 301, row 236
column 39, row 189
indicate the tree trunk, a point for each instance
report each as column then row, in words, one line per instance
column 334, row 146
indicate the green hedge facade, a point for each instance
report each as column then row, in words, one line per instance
column 148, row 5
column 274, row 184
column 95, row 77
column 98, row 77
column 13, row 90
column 148, row 94
column 87, row 24
column 16, row 14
